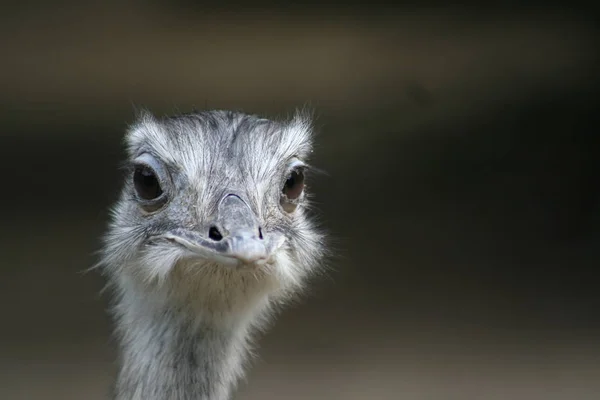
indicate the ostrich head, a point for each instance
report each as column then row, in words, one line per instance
column 212, row 214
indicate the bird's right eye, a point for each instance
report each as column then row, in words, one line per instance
column 146, row 183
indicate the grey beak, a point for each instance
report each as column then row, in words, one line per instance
column 241, row 235
column 235, row 237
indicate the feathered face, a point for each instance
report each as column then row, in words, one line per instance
column 215, row 200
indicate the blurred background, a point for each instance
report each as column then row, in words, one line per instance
column 462, row 189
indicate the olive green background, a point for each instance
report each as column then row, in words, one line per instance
column 461, row 193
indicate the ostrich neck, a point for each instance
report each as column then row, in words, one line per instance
column 173, row 352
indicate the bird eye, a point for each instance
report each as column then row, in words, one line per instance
column 294, row 184
column 292, row 189
column 146, row 183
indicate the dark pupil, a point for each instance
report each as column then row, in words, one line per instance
column 294, row 185
column 291, row 180
column 146, row 184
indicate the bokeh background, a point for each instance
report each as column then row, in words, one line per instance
column 462, row 188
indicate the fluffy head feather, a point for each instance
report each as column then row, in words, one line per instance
column 198, row 159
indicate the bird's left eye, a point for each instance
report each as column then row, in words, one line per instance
column 294, row 184
column 292, row 189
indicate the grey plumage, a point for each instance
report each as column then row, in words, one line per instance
column 207, row 237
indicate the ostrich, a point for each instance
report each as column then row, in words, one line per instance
column 210, row 235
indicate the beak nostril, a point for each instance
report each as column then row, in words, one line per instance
column 214, row 234
column 260, row 235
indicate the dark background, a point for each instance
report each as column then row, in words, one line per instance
column 462, row 189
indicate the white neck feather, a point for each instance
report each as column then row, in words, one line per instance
column 173, row 351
